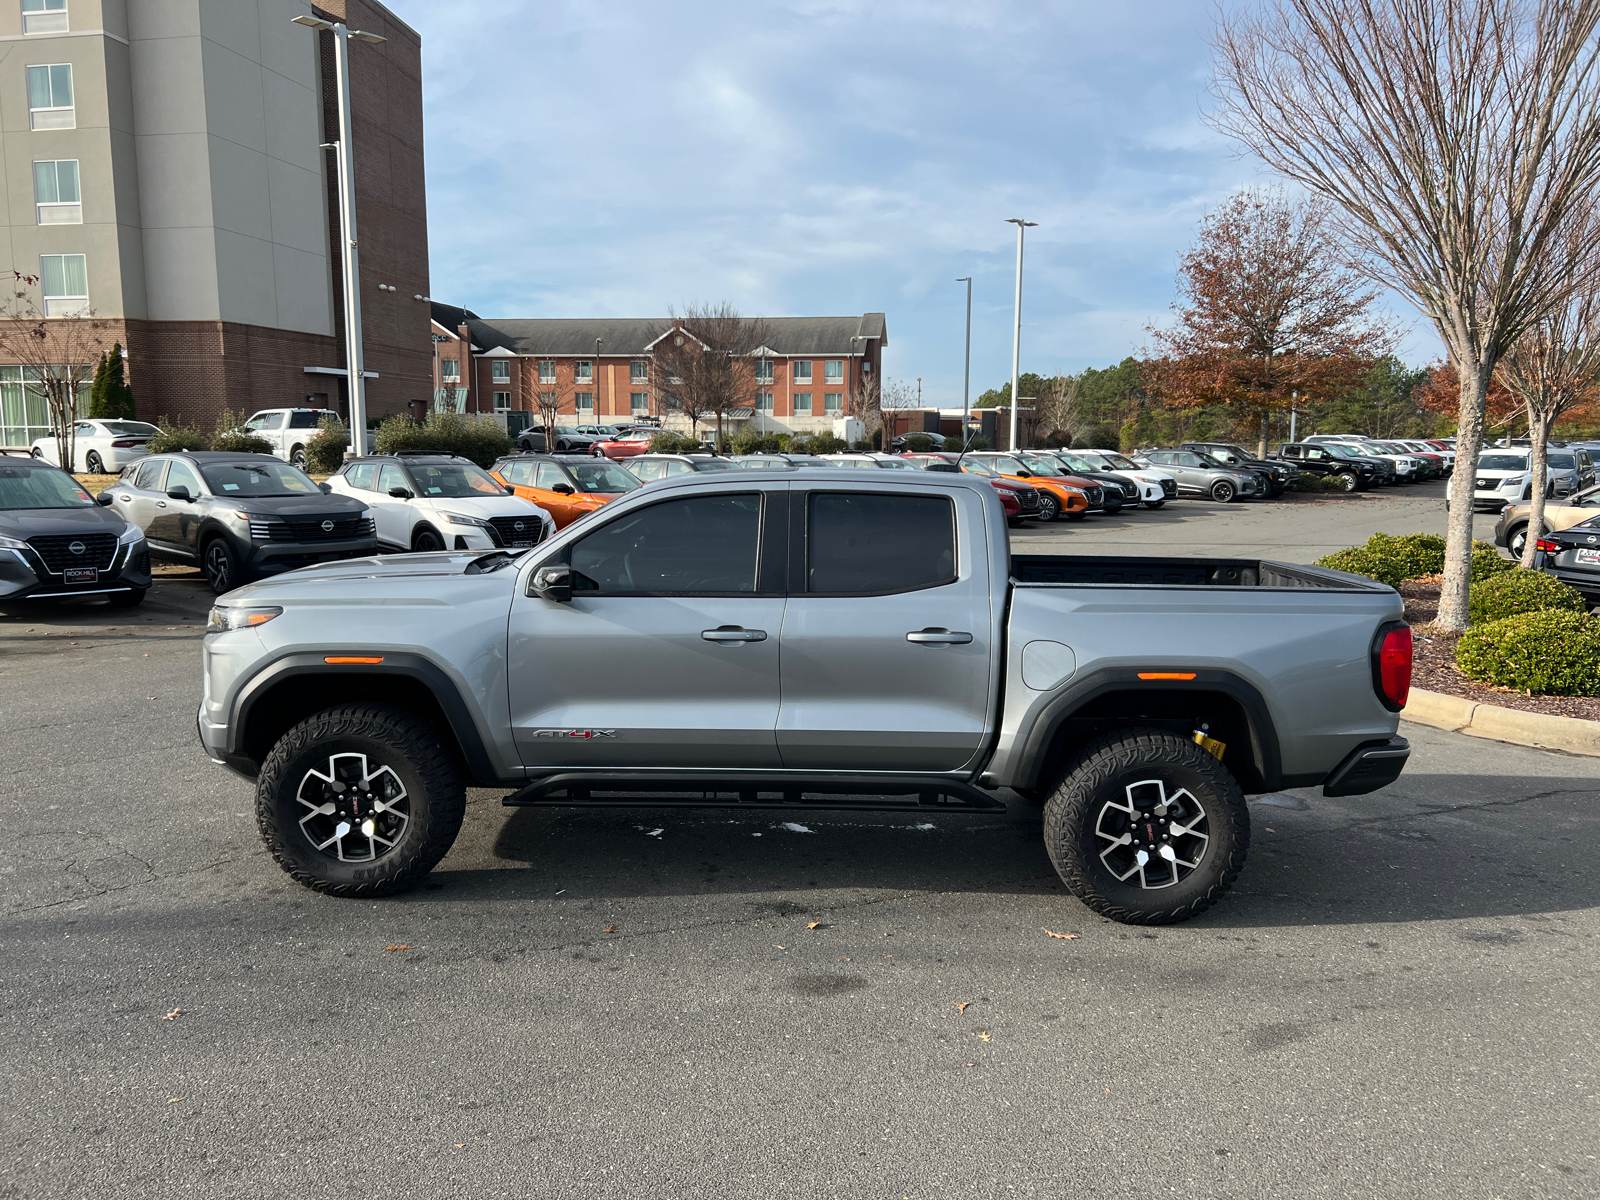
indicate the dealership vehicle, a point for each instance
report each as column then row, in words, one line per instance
column 650, row 467
column 1049, row 467
column 426, row 501
column 1012, row 492
column 1354, row 471
column 1506, row 477
column 1511, row 530
column 1201, row 475
column 1442, row 460
column 239, row 516
column 1078, row 463
column 57, row 543
column 100, row 447
column 288, row 429
column 569, row 440
column 567, row 486
column 1059, row 495
column 1403, row 468
column 1572, row 555
column 801, row 639
column 1279, row 475
column 1155, row 487
column 624, row 445
column 935, row 441
column 865, row 461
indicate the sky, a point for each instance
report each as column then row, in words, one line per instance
column 830, row 158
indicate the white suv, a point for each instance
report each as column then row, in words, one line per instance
column 440, row 502
column 288, row 429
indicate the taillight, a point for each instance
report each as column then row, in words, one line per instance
column 1391, row 665
column 1546, row 546
column 125, row 444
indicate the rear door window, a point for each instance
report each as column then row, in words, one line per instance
column 304, row 420
column 874, row 543
column 701, row 545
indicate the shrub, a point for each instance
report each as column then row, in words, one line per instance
column 1318, row 483
column 325, row 452
column 1507, row 593
column 1486, row 562
column 918, row 443
column 750, row 441
column 1393, row 560
column 479, row 438
column 673, row 443
column 825, row 443
column 1553, row 653
column 1096, row 437
column 175, row 437
column 229, row 436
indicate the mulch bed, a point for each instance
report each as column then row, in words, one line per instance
column 1435, row 666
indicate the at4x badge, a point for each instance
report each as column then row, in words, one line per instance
column 586, row 734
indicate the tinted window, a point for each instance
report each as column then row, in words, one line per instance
column 877, row 542
column 703, row 544
column 254, row 479
column 454, row 481
column 601, row 477
column 304, row 420
column 1565, row 462
column 150, row 474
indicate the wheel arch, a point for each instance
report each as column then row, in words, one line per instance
column 429, row 527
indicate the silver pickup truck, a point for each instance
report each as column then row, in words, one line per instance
column 804, row 639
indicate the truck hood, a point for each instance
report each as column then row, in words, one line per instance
column 434, row 573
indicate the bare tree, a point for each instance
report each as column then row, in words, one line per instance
column 58, row 356
column 1057, row 406
column 706, row 365
column 867, row 400
column 544, row 398
column 1453, row 138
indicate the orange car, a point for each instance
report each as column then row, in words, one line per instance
column 567, row 486
column 1059, row 495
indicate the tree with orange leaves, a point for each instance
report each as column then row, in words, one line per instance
column 1268, row 311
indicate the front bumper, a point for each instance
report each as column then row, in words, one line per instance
column 24, row 576
column 269, row 558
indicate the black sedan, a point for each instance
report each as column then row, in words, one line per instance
column 239, row 516
column 56, row 542
column 1573, row 556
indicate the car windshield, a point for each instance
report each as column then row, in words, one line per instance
column 453, row 481
column 1043, row 466
column 978, row 467
column 39, row 487
column 1004, row 464
column 1565, row 462
column 1078, row 462
column 715, row 464
column 257, row 479
column 1502, row 462
column 1206, row 459
column 131, row 428
column 602, row 477
column 1347, row 451
column 1113, row 459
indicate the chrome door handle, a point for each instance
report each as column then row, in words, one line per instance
column 161, row 503
column 733, row 633
column 938, row 637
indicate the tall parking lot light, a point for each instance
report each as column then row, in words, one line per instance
column 966, row 372
column 353, row 360
column 1016, row 333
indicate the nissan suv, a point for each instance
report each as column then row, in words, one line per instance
column 428, row 501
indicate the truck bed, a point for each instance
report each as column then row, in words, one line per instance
column 1181, row 572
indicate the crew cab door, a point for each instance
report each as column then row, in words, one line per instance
column 888, row 633
column 667, row 653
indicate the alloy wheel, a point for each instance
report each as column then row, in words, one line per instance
column 354, row 810
column 94, row 463
column 219, row 567
column 1222, row 491
column 428, row 541
column 1348, row 480
column 1153, row 837
column 1049, row 507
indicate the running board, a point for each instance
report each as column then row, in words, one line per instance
column 585, row 789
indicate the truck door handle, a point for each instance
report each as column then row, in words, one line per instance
column 938, row 637
column 733, row 633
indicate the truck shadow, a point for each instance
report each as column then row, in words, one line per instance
column 1334, row 862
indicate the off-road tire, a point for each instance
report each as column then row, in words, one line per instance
column 393, row 737
column 1223, row 492
column 1098, row 774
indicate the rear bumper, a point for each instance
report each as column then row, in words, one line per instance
column 1368, row 768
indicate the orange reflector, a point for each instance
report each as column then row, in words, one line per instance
column 1157, row 674
column 340, row 660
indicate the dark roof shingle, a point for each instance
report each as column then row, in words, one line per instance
column 631, row 335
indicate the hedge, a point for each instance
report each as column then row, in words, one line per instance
column 325, row 452
column 173, row 438
column 673, row 443
column 1552, row 653
column 1393, row 560
column 481, row 439
column 1507, row 593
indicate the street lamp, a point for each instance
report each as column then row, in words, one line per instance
column 354, row 365
column 1016, row 334
column 966, row 374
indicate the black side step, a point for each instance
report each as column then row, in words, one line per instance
column 586, row 789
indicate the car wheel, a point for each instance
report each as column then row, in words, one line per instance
column 1222, row 491
column 221, row 566
column 1350, row 482
column 1517, row 542
column 36, row 452
column 93, row 463
column 359, row 800
column 1014, row 522
column 297, row 457
column 426, row 540
column 129, row 599
column 1049, row 507
column 1146, row 827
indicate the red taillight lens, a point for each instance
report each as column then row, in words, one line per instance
column 1391, row 666
column 1546, row 546
column 126, row 443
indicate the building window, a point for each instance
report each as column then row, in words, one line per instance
column 500, row 371
column 24, row 412
column 55, row 192
column 502, row 402
column 802, row 403
column 764, row 402
column 582, row 371
column 547, row 371
column 763, row 370
column 65, row 278
column 801, row 371
column 833, row 403
column 638, row 371
column 450, row 370
column 44, row 16
column 833, row 371
column 639, row 402
column 50, row 97
column 585, row 402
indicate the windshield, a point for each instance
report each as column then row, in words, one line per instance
column 1565, row 461
column 256, row 479
column 131, row 428
column 1220, row 452
column 1043, row 466
column 1006, row 465
column 451, row 481
column 37, row 487
column 602, row 477
column 978, row 467
column 1502, row 462
column 1120, row 462
column 1348, row 451
column 1206, row 459
column 1078, row 462
column 715, row 464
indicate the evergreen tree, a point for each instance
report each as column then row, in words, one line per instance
column 97, row 392
column 119, row 396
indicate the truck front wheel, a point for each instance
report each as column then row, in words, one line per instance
column 359, row 800
column 1147, row 828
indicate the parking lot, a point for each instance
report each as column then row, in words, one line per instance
column 1395, row 1000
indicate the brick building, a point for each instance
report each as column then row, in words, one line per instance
column 600, row 370
column 179, row 192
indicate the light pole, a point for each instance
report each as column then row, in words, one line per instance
column 1016, row 334
column 594, row 413
column 966, row 373
column 354, row 365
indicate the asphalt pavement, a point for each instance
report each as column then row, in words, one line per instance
column 1397, row 1000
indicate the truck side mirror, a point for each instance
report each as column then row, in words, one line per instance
column 553, row 583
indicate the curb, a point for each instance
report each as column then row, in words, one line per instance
column 1476, row 719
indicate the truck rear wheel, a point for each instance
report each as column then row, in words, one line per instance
column 1147, row 828
column 359, row 800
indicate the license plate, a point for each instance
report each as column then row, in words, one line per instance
column 1589, row 556
column 522, row 543
column 80, row 575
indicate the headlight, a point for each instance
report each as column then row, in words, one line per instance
column 131, row 536
column 461, row 519
column 12, row 544
column 366, row 514
column 239, row 616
